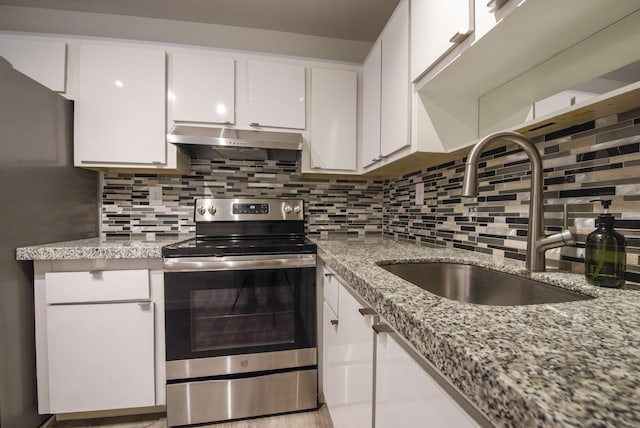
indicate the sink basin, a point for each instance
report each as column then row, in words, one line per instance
column 474, row 284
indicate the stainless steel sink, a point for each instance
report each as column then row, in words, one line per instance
column 474, row 284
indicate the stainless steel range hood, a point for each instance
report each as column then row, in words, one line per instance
column 212, row 143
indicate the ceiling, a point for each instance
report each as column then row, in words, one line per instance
column 360, row 20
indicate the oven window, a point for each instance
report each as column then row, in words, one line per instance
column 217, row 313
column 255, row 315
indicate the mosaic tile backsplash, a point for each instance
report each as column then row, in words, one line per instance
column 332, row 205
column 595, row 160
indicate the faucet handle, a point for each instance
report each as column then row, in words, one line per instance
column 567, row 237
column 559, row 239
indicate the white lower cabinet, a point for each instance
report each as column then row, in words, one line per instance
column 348, row 362
column 372, row 377
column 100, row 355
column 407, row 396
column 99, row 335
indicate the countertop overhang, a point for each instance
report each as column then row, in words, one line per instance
column 561, row 364
column 98, row 248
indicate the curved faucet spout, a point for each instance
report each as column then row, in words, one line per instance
column 537, row 242
column 470, row 185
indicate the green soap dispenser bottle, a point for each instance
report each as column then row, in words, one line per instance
column 605, row 257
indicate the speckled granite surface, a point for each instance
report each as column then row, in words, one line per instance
column 563, row 364
column 97, row 248
column 567, row 364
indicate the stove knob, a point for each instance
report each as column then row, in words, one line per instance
column 212, row 210
column 200, row 210
column 287, row 209
column 297, row 210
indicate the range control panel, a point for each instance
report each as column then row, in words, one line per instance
column 250, row 208
column 240, row 209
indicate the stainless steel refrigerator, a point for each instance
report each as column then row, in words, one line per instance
column 43, row 199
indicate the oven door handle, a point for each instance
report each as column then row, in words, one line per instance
column 205, row 264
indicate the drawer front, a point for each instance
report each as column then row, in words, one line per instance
column 216, row 400
column 97, row 286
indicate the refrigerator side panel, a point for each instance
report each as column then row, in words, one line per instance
column 44, row 199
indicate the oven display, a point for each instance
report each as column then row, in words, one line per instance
column 251, row 208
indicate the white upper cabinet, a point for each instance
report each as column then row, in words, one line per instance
column 521, row 51
column 371, row 80
column 386, row 92
column 395, row 85
column 334, row 117
column 201, row 88
column 437, row 26
column 120, row 106
column 277, row 94
column 45, row 61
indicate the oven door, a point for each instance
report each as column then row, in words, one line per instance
column 232, row 305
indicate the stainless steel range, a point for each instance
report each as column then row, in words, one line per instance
column 240, row 313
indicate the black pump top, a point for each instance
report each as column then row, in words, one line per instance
column 606, row 203
column 605, row 219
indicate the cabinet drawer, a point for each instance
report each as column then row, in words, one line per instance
column 241, row 397
column 97, row 286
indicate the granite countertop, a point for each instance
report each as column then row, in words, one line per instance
column 98, row 248
column 562, row 364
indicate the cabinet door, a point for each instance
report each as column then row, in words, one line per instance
column 331, row 290
column 395, row 87
column 101, row 356
column 334, row 100
column 45, row 61
column 437, row 26
column 202, row 88
column 330, row 370
column 348, row 364
column 406, row 396
column 120, row 108
column 277, row 95
column 371, row 106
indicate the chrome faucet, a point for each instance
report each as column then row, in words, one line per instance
column 537, row 241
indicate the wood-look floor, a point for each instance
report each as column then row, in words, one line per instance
column 311, row 419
